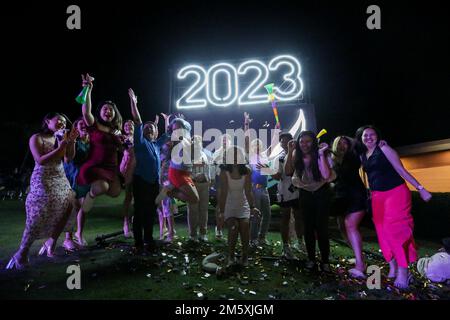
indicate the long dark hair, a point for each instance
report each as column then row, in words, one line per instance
column 299, row 164
column 235, row 151
column 359, row 145
column 116, row 122
column 44, row 126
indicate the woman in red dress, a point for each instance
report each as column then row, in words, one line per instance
column 101, row 170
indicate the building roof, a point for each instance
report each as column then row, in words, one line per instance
column 426, row 147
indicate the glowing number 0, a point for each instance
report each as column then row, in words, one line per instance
column 232, row 85
column 187, row 101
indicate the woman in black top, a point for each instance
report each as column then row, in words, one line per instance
column 350, row 197
column 309, row 163
column 391, row 203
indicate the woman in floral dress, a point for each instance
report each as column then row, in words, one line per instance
column 49, row 202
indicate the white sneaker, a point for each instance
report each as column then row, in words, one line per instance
column 288, row 254
column 161, row 196
column 203, row 238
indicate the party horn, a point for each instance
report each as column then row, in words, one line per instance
column 269, row 88
column 275, row 111
column 321, row 133
column 81, row 99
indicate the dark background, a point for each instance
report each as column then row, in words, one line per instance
column 396, row 78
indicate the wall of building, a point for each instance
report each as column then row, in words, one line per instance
column 431, row 169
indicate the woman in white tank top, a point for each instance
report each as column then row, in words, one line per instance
column 236, row 202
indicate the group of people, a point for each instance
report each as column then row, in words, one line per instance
column 315, row 180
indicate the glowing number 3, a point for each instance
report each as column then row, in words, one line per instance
column 290, row 89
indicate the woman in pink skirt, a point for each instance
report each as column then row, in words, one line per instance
column 391, row 203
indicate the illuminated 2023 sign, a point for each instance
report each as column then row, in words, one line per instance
column 202, row 90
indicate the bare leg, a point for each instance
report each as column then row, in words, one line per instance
column 59, row 227
column 232, row 237
column 392, row 269
column 401, row 281
column 81, row 218
column 244, row 231
column 126, row 211
column 98, row 188
column 352, row 222
column 170, row 226
column 114, row 188
column 161, row 222
column 187, row 193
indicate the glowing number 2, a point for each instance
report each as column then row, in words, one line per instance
column 187, row 100
column 249, row 95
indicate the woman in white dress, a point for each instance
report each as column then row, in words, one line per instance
column 236, row 202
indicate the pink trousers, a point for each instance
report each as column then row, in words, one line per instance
column 394, row 224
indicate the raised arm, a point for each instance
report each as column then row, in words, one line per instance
column 289, row 167
column 247, row 121
column 37, row 150
column 394, row 159
column 166, row 121
column 134, row 109
column 324, row 165
column 87, row 107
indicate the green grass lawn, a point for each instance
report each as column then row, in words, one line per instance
column 110, row 271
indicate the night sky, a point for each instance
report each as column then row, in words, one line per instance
column 396, row 78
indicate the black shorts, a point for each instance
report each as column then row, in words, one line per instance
column 289, row 204
column 354, row 202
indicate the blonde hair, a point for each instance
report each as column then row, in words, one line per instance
column 336, row 155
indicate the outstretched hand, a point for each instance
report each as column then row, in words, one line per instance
column 72, row 135
column 132, row 96
column 323, row 147
column 87, row 80
column 247, row 119
column 425, row 195
column 165, row 116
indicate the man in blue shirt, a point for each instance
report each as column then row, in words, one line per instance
column 146, row 176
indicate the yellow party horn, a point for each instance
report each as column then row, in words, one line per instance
column 321, row 133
